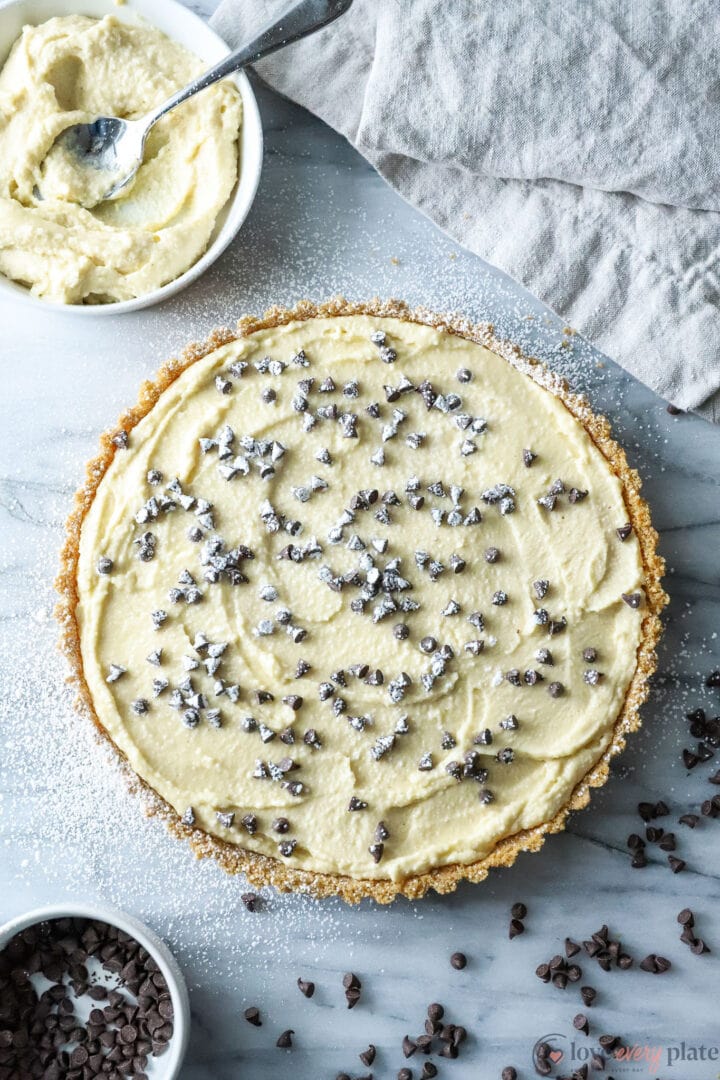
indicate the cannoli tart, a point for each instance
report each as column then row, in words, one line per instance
column 365, row 598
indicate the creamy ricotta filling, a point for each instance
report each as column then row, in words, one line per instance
column 70, row 70
column 353, row 596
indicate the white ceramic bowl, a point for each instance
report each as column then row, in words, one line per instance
column 166, row 1067
column 181, row 24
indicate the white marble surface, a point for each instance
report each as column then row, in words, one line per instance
column 324, row 223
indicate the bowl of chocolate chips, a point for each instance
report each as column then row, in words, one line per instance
column 88, row 991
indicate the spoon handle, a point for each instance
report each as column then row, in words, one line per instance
column 301, row 19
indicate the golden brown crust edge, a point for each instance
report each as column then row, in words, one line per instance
column 261, row 869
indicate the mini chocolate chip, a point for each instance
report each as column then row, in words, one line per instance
column 408, row 1046
column 368, row 1056
column 252, row 1015
column 458, row 960
column 285, row 1039
column 581, row 1023
column 377, row 850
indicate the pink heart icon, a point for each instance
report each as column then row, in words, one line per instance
column 555, row 1055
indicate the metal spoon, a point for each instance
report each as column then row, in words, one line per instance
column 116, row 147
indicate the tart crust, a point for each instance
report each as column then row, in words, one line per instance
column 262, row 869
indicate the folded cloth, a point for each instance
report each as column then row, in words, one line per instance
column 573, row 145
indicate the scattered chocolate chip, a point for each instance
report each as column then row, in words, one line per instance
column 285, row 1039
column 368, row 1056
column 381, row 831
column 252, row 1015
column 408, row 1046
column 306, row 988
column 656, row 965
column 581, row 1023
column 458, row 960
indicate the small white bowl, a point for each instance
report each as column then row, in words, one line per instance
column 183, row 26
column 166, row 1067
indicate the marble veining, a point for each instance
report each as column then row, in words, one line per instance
column 325, row 223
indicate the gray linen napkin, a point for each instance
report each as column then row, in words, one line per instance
column 573, row 143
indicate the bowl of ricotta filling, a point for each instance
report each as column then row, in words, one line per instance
column 60, row 65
